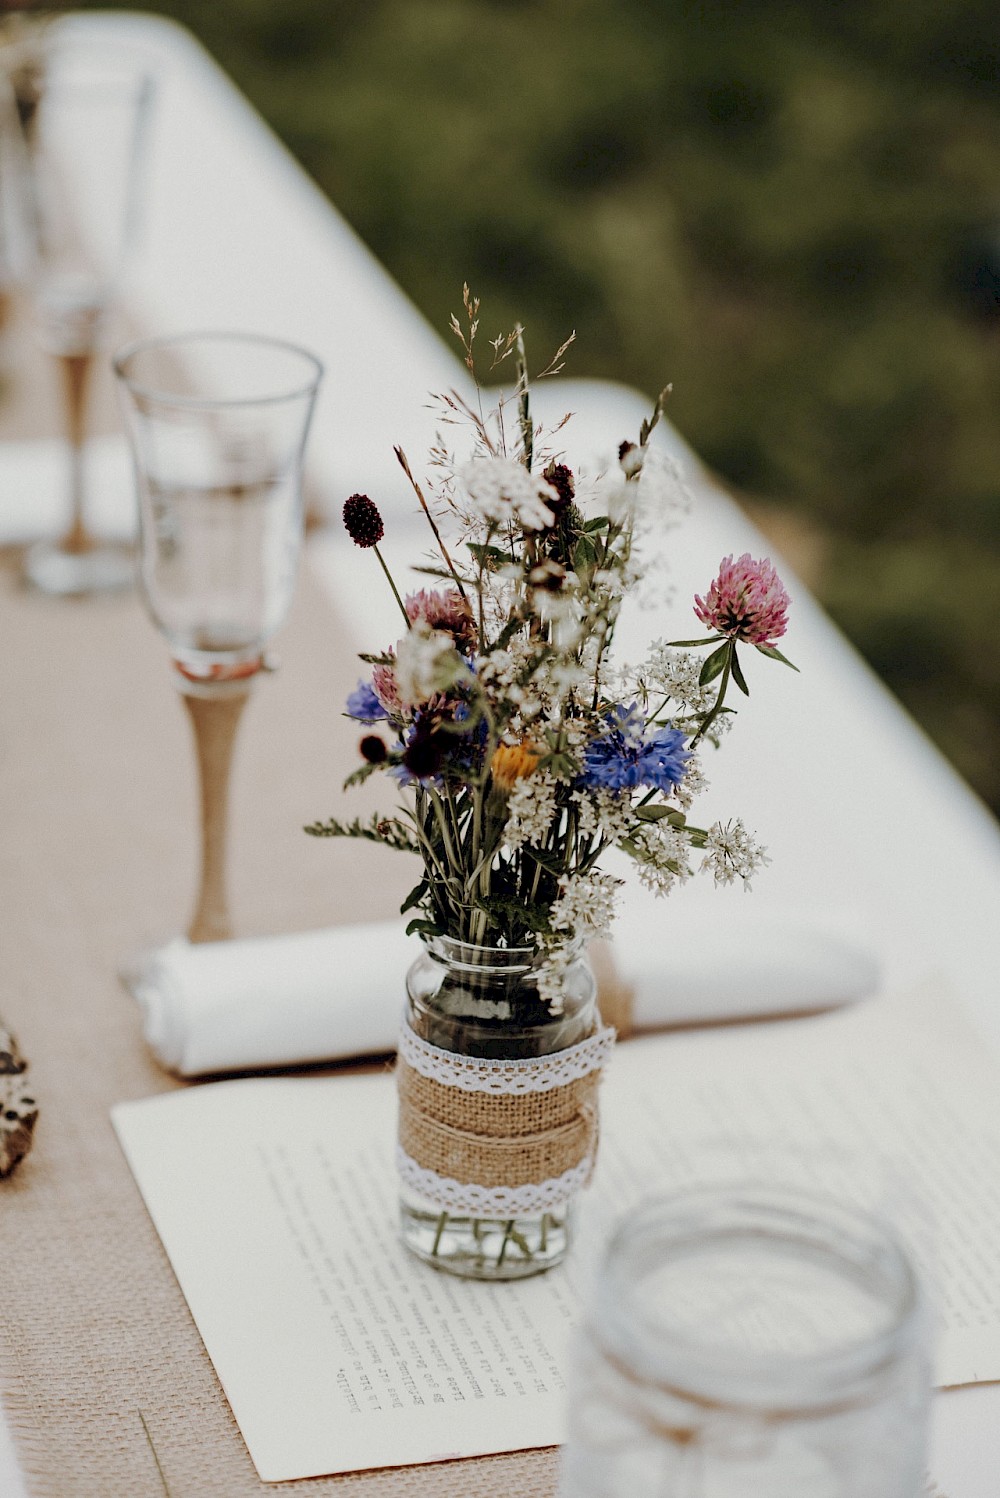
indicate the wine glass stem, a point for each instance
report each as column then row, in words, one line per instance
column 214, row 720
column 76, row 370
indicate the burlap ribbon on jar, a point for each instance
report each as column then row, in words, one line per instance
column 498, row 1136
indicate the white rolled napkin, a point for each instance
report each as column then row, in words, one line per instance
column 335, row 994
column 274, row 1000
column 751, row 966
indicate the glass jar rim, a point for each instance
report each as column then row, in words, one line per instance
column 150, row 391
column 464, row 954
column 732, row 1376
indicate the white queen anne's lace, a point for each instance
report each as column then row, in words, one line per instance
column 586, row 902
column 502, row 489
column 531, row 810
column 731, row 853
column 426, row 662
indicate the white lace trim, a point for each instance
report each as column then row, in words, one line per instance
column 506, row 1078
column 493, row 1201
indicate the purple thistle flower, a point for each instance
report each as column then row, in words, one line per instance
column 632, row 754
column 431, row 754
column 420, row 752
column 363, row 521
column 364, row 704
column 747, row 601
column 425, row 753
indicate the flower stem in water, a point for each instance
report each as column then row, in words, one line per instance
column 508, row 1231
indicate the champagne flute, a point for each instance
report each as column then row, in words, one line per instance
column 84, row 133
column 219, row 479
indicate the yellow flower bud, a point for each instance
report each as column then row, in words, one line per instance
column 513, row 762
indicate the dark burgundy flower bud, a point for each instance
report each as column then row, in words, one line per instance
column 425, row 753
column 373, row 749
column 363, row 521
column 562, row 481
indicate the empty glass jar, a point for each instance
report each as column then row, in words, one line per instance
column 750, row 1341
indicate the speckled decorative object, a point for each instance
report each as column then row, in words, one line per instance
column 18, row 1109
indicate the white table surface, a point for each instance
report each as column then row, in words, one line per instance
column 864, row 820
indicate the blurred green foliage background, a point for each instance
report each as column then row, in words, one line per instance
column 790, row 210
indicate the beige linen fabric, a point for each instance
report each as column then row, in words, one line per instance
column 97, row 859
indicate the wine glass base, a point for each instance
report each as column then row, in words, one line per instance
column 75, row 574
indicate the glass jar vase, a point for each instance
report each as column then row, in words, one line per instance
column 750, row 1341
column 483, row 1140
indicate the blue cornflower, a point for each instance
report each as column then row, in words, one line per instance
column 364, row 705
column 631, row 754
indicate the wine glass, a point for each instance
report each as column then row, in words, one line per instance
column 217, row 424
column 84, row 127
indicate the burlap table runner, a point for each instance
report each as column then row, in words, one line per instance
column 97, row 858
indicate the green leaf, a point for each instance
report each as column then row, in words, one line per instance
column 487, row 553
column 709, row 640
column 584, row 555
column 415, row 896
column 426, row 928
column 660, row 814
column 599, row 523
column 775, row 655
column 444, row 574
column 653, row 813
column 561, row 766
column 550, row 861
column 516, row 913
column 361, row 774
column 738, row 676
column 378, row 829
column 714, row 664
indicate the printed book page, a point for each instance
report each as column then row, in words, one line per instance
column 275, row 1200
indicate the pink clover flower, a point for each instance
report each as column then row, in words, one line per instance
column 747, row 601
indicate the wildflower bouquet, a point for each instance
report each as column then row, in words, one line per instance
column 522, row 751
column 522, row 754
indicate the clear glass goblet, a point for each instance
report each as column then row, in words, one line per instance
column 84, row 128
column 217, row 425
